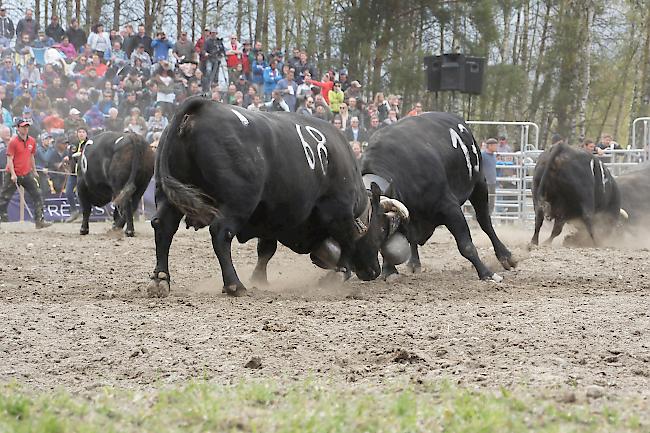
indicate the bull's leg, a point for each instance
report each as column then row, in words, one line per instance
column 414, row 265
column 165, row 224
column 539, row 220
column 86, row 207
column 223, row 230
column 128, row 216
column 118, row 220
column 558, row 224
column 479, row 200
column 265, row 250
column 388, row 272
column 589, row 225
column 457, row 225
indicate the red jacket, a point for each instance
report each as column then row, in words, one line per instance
column 325, row 87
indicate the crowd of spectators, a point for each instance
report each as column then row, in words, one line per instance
column 62, row 79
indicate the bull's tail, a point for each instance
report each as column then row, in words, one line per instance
column 542, row 182
column 190, row 200
column 138, row 144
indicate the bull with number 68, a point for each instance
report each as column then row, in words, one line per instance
column 272, row 176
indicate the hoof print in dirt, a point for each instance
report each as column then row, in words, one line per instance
column 255, row 363
column 406, row 357
column 159, row 286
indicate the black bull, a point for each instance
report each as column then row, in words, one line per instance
column 635, row 195
column 114, row 167
column 432, row 164
column 571, row 184
column 273, row 176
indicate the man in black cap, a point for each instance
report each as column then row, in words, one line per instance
column 21, row 171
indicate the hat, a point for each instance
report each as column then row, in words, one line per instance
column 25, row 81
column 22, row 122
column 214, row 30
column 355, row 83
column 74, row 111
column 491, row 141
column 502, row 137
column 2, row 8
column 343, row 72
column 45, row 136
column 556, row 137
column 242, row 77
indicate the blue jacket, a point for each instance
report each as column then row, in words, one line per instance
column 11, row 76
column 161, row 49
column 258, row 72
column 271, row 79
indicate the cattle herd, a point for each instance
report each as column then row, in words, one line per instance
column 282, row 177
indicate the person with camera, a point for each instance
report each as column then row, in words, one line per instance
column 214, row 52
column 75, row 150
column 21, row 171
column 161, row 46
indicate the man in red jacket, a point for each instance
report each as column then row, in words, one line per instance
column 21, row 171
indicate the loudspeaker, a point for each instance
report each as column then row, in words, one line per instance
column 455, row 72
column 474, row 70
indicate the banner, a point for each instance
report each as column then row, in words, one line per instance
column 56, row 208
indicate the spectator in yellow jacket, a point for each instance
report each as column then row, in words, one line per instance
column 336, row 97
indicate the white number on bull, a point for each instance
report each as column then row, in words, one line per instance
column 321, row 150
column 456, row 141
column 84, row 163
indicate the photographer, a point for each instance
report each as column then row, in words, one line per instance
column 214, row 52
column 161, row 46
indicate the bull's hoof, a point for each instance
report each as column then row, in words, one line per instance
column 332, row 278
column 532, row 246
column 159, row 286
column 235, row 290
column 391, row 278
column 129, row 233
column 508, row 262
column 84, row 231
column 495, row 277
column 259, row 279
column 414, row 268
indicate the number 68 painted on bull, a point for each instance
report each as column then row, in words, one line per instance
column 320, row 147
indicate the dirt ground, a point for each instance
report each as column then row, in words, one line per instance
column 74, row 314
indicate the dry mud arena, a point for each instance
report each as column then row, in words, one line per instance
column 74, row 315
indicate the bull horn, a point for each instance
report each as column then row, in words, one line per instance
column 624, row 214
column 391, row 204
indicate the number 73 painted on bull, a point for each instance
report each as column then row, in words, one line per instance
column 320, row 147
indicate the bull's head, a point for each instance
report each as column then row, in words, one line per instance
column 385, row 218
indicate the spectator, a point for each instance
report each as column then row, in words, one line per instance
column 276, row 103
column 355, row 132
column 343, row 79
column 198, row 47
column 31, row 74
column 135, row 123
column 257, row 68
column 76, row 35
column 589, row 146
column 490, row 170
column 325, row 109
column 335, row 97
column 357, row 149
column 48, row 75
column 306, row 108
column 106, row 103
column 53, row 122
column 392, row 117
column 9, row 75
column 337, row 123
column 143, row 56
column 118, row 57
column 257, row 104
column 56, row 164
column 113, row 122
column 503, row 146
column 215, row 68
column 374, row 126
column 41, row 103
column 27, row 26
column 7, row 30
column 94, row 119
column 43, row 40
column 56, row 91
column 417, row 110
column 164, row 80
column 75, row 150
column 21, row 171
column 607, row 143
column 5, row 138
column 141, row 38
column 344, row 115
column 271, row 78
column 54, row 29
column 5, row 116
column 161, row 46
column 354, row 91
column 183, row 49
column 382, row 106
column 74, row 122
column 234, row 54
column 22, row 100
column 304, row 68
column 99, row 41
column 326, row 85
column 156, row 123
column 43, row 151
column 288, row 88
column 129, row 43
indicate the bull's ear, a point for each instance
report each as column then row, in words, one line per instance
column 375, row 192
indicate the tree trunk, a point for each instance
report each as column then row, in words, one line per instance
column 77, row 11
column 249, row 14
column 259, row 17
column 46, row 13
column 586, row 73
column 117, row 9
column 265, row 24
column 240, row 18
column 68, row 11
column 37, row 10
column 194, row 38
column 279, row 11
column 179, row 17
